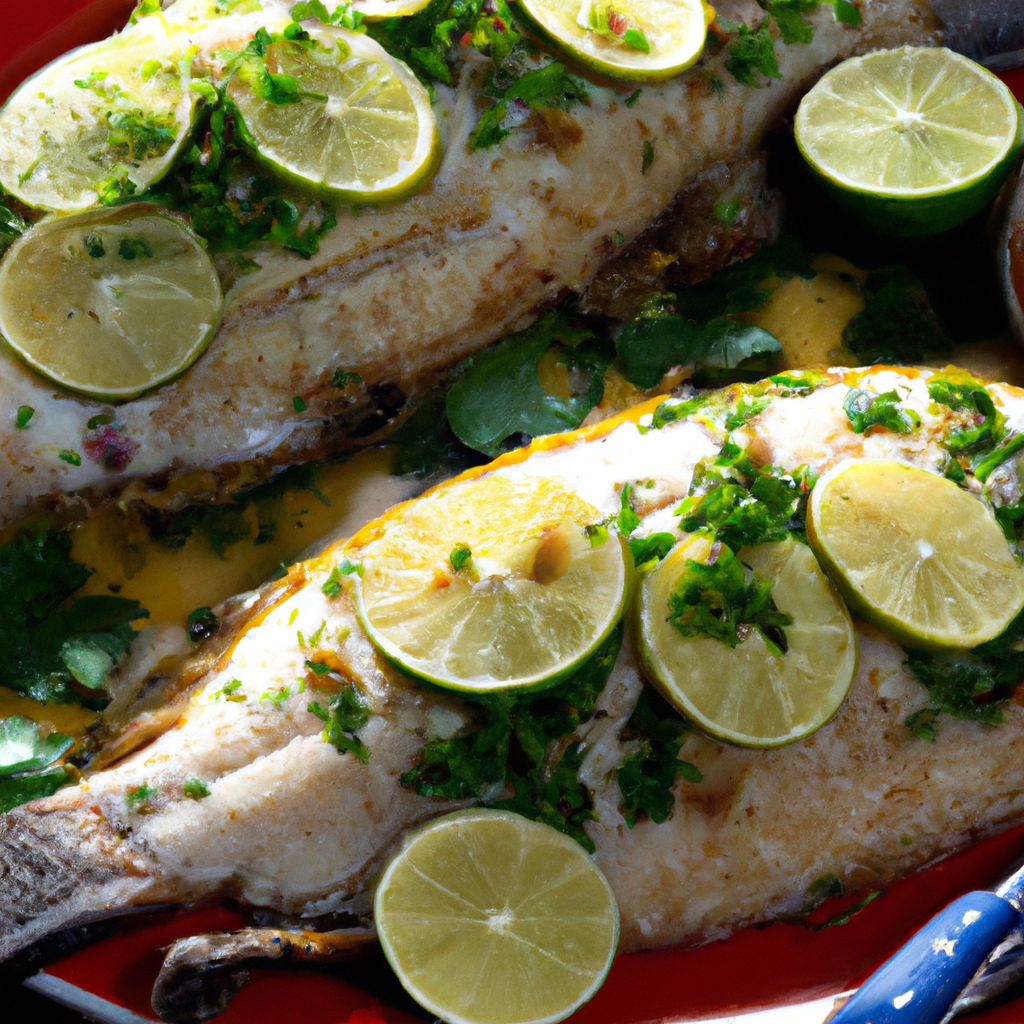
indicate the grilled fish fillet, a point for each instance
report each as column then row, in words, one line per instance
column 400, row 293
column 294, row 826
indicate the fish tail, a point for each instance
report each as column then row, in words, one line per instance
column 62, row 866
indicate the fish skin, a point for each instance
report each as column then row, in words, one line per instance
column 293, row 826
column 400, row 293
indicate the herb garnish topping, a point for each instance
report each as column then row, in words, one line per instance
column 866, row 409
column 347, row 712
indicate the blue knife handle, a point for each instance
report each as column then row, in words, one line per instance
column 919, row 983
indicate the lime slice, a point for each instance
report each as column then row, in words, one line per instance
column 109, row 303
column 374, row 10
column 916, row 140
column 488, row 918
column 362, row 127
column 915, row 554
column 749, row 694
column 637, row 40
column 531, row 600
column 101, row 122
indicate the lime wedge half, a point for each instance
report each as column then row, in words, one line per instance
column 109, row 303
column 750, row 694
column 490, row 584
column 915, row 554
column 488, row 918
column 100, row 123
column 916, row 139
column 358, row 125
column 636, row 40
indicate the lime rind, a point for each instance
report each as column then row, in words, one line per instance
column 443, row 930
column 671, row 36
column 937, row 572
column 748, row 695
column 117, row 109
column 915, row 139
column 375, row 138
column 513, row 637
column 110, row 324
column 377, row 10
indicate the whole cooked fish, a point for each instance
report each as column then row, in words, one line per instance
column 400, row 293
column 291, row 825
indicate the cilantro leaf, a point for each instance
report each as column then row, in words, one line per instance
column 24, row 749
column 715, row 599
column 963, row 393
column 141, row 135
column 527, row 726
column 500, row 393
column 897, row 323
column 22, row 788
column 750, row 52
column 648, row 551
column 646, row 778
column 866, row 409
column 348, row 712
column 649, row 348
column 549, row 86
column 54, row 645
column 425, row 444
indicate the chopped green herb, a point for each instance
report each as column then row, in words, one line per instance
column 24, row 416
column 727, row 212
column 342, row 378
column 195, row 789
column 320, row 668
column 996, row 458
column 627, row 520
column 645, row 164
column 646, row 778
column 749, row 52
column 633, row 97
column 11, row 225
column 94, row 422
column 636, row 40
column 461, row 557
column 866, row 409
column 476, row 761
column 348, row 712
column 141, row 795
column 70, row 457
column 20, row 789
column 597, row 533
column 230, row 691
column 715, row 599
column 746, row 411
column 549, row 86
column 279, row 696
column 825, row 888
column 345, row 15
column 140, row 135
column 94, row 246
column 673, row 409
column 333, row 587
column 847, row 915
column 982, row 424
column 299, row 404
column 618, row 238
column 648, row 551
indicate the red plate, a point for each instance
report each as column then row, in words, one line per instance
column 758, row 969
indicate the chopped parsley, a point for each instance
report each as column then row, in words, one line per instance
column 141, row 135
column 343, row 378
column 345, row 15
column 72, row 458
column 631, row 99
column 551, row 85
column 982, row 425
column 866, row 409
column 461, row 558
column 299, row 404
column 333, row 585
column 523, row 742
column 750, row 52
column 648, row 551
column 971, row 685
column 347, row 713
column 24, row 416
column 647, row 776
column 648, row 159
column 139, row 797
column 195, row 789
column 230, row 691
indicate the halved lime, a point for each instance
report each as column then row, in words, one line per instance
column 915, row 554
column 109, row 303
column 488, row 918
column 636, row 40
column 101, row 122
column 750, row 694
column 531, row 600
column 916, row 139
column 359, row 126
